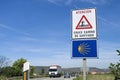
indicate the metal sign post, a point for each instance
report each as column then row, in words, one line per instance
column 26, row 75
column 84, row 69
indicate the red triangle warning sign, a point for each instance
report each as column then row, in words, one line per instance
column 83, row 23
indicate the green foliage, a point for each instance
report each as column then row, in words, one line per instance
column 2, row 77
column 118, row 52
column 43, row 71
column 78, row 78
column 18, row 65
column 7, row 71
column 115, row 68
column 32, row 70
column 96, row 77
column 15, row 70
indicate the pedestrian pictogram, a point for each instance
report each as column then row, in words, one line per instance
column 84, row 23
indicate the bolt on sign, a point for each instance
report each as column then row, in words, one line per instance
column 84, row 24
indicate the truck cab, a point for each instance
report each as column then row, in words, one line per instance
column 55, row 71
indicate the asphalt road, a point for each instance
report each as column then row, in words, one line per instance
column 61, row 78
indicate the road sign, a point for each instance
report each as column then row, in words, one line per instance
column 84, row 49
column 26, row 66
column 84, row 24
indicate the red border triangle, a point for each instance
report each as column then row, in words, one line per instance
column 90, row 26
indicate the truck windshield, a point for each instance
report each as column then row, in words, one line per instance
column 52, row 69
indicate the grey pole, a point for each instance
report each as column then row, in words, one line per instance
column 84, row 69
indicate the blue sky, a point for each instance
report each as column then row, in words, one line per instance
column 40, row 31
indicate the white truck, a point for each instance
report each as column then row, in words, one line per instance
column 55, row 71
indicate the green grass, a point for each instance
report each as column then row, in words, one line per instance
column 97, row 77
column 2, row 77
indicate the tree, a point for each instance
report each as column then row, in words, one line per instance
column 15, row 70
column 118, row 52
column 32, row 70
column 115, row 68
column 4, row 61
column 18, row 65
column 7, row 71
column 43, row 71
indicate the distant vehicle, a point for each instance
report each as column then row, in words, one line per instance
column 55, row 71
column 66, row 75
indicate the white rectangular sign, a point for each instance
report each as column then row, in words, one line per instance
column 84, row 24
column 26, row 66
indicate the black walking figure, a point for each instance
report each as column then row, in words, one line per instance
column 82, row 23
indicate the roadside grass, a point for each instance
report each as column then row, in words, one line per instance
column 97, row 77
column 2, row 77
column 18, row 77
column 12, row 78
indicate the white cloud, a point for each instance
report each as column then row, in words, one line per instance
column 68, row 2
column 38, row 50
column 13, row 29
column 105, row 21
column 57, row 2
column 61, row 2
column 26, row 38
column 6, row 27
column 52, row 1
column 95, row 2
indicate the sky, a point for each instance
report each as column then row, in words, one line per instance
column 40, row 31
